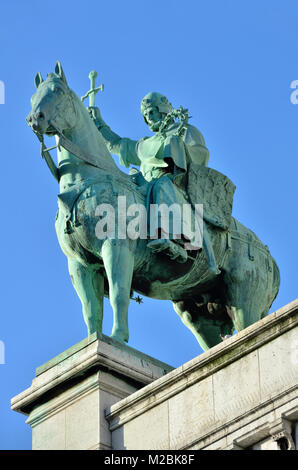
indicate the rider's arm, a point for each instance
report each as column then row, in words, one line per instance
column 196, row 146
column 123, row 147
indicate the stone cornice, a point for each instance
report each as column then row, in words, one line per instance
column 220, row 356
column 92, row 354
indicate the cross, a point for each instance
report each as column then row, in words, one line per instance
column 92, row 92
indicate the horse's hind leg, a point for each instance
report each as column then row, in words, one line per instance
column 119, row 262
column 247, row 301
column 89, row 285
column 208, row 322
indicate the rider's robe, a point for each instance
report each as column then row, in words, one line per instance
column 163, row 160
column 153, row 153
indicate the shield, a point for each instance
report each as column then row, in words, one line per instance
column 215, row 191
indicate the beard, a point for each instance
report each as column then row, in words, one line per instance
column 154, row 126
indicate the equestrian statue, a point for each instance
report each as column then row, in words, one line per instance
column 221, row 281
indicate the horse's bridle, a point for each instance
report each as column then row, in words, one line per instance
column 45, row 151
column 71, row 147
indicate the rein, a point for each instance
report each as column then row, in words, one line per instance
column 73, row 149
column 46, row 155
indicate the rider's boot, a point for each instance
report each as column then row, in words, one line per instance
column 174, row 250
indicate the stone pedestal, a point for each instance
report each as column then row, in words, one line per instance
column 67, row 400
column 241, row 394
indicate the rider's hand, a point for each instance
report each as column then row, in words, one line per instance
column 95, row 115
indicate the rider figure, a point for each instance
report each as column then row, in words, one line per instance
column 163, row 160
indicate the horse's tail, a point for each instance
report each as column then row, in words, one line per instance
column 276, row 279
column 275, row 284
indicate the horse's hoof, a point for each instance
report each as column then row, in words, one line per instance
column 123, row 339
column 223, row 338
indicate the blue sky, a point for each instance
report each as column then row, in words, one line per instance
column 230, row 62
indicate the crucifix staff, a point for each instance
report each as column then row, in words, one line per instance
column 92, row 92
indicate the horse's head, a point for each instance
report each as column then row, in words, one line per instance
column 52, row 105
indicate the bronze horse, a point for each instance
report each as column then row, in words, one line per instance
column 211, row 308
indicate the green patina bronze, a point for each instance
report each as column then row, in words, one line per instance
column 229, row 284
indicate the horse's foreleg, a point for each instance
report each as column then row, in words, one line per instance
column 119, row 262
column 89, row 285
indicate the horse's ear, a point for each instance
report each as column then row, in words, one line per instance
column 59, row 72
column 38, row 79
